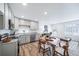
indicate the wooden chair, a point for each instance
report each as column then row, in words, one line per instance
column 57, row 52
column 63, row 53
column 56, row 49
column 65, row 46
column 44, row 47
column 61, row 50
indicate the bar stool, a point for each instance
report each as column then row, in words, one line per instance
column 65, row 46
column 63, row 50
column 44, row 47
column 56, row 49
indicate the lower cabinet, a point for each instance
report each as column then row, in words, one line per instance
column 0, row 49
column 21, row 39
column 37, row 36
column 24, row 39
column 9, row 49
column 27, row 40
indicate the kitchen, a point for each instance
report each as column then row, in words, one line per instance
column 22, row 24
column 25, row 29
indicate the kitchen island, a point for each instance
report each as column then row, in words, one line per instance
column 9, row 48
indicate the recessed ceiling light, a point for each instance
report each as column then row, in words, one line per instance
column 45, row 12
column 22, row 16
column 24, row 4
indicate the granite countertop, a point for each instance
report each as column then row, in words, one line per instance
column 13, row 40
column 22, row 34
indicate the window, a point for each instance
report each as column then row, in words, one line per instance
column 72, row 28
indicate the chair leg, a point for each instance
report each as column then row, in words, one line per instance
column 43, row 52
column 39, row 49
column 53, row 50
column 66, row 53
column 50, row 51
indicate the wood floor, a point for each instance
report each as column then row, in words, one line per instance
column 30, row 49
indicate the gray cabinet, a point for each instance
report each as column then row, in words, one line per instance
column 27, row 39
column 24, row 39
column 0, row 49
column 10, row 48
column 21, row 39
column 1, row 21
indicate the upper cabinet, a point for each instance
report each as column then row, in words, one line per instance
column 1, row 20
column 34, row 25
column 24, row 22
column 9, row 21
column 2, row 7
column 17, row 23
column 1, row 15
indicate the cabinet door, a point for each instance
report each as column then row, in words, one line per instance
column 34, row 26
column 37, row 36
column 0, row 49
column 22, row 39
column 1, row 22
column 17, row 22
column 27, row 40
column 9, row 49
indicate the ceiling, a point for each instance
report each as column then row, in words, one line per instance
column 56, row 12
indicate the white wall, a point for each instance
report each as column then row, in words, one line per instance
column 58, row 30
column 41, row 26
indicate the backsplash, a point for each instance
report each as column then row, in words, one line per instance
column 4, row 31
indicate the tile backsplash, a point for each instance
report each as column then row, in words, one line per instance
column 4, row 31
